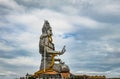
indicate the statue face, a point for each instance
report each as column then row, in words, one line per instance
column 49, row 31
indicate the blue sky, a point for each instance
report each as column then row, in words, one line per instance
column 88, row 28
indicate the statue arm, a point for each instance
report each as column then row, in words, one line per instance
column 52, row 51
column 56, row 52
column 44, row 43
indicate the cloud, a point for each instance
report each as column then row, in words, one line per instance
column 21, row 61
column 5, row 47
column 7, row 73
column 9, row 6
column 106, row 11
column 89, row 29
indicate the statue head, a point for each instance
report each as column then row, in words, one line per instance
column 46, row 28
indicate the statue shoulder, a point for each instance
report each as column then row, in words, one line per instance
column 43, row 36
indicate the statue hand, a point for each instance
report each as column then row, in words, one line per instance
column 63, row 50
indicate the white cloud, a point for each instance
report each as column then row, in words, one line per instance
column 27, row 40
column 91, row 73
column 5, row 47
column 59, row 42
column 2, row 24
column 21, row 61
column 108, row 74
column 68, row 20
column 22, row 41
column 114, row 35
column 83, row 21
column 107, row 8
column 69, row 10
column 111, row 9
column 34, row 20
column 11, row 4
column 109, row 48
column 7, row 73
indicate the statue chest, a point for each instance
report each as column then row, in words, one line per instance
column 49, row 43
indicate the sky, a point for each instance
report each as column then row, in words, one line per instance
column 88, row 28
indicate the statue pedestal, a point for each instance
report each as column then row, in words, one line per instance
column 52, row 74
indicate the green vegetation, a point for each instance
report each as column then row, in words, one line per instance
column 31, row 77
